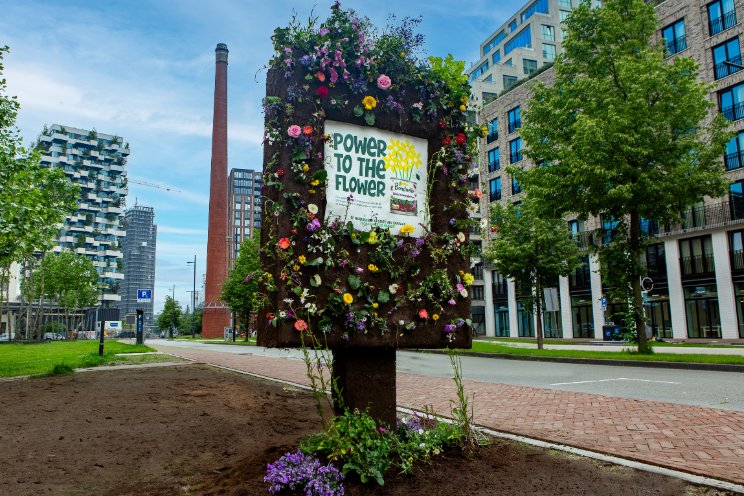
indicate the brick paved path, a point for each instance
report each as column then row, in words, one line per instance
column 703, row 441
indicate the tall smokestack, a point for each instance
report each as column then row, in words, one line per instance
column 216, row 316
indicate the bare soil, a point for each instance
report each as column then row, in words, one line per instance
column 197, row 430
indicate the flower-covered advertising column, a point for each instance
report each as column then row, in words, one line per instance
column 367, row 157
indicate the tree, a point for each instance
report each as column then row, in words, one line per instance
column 170, row 317
column 625, row 134
column 240, row 290
column 532, row 249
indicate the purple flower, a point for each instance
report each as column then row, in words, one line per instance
column 419, row 241
column 359, row 270
column 305, row 60
column 449, row 328
column 313, row 226
column 323, row 31
column 451, row 302
column 452, row 221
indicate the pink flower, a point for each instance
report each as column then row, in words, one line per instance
column 423, row 314
column 300, row 325
column 294, row 131
column 283, row 243
column 383, row 82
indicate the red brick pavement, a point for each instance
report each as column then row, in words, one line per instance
column 703, row 441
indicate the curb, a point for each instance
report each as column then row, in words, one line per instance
column 719, row 367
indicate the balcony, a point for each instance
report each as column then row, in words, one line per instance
column 676, row 45
column 737, row 261
column 584, row 240
column 697, row 265
column 734, row 112
column 580, row 278
column 726, row 68
column 722, row 23
column 734, row 160
column 720, row 214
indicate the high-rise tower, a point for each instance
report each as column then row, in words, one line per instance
column 216, row 315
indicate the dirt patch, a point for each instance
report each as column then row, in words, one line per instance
column 197, row 430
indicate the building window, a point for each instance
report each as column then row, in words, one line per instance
column 734, row 148
column 721, row 16
column 582, row 317
column 701, row 307
column 565, row 4
column 525, row 322
column 477, row 292
column 515, row 121
column 530, row 66
column 494, row 42
column 494, row 160
column 494, row 187
column 509, row 81
column 739, row 295
column 521, row 40
column 479, row 71
column 516, row 188
column 515, row 150
column 696, row 256
column 563, row 15
column 493, row 131
column 736, row 248
column 608, row 227
column 548, row 32
column 496, row 56
column 548, row 52
column 726, row 52
column 736, row 197
column 512, row 26
column 731, row 101
column 538, row 6
column 674, row 37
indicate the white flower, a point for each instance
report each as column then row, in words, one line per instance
column 305, row 293
column 282, row 314
column 464, row 293
column 401, row 322
column 461, row 237
column 393, row 288
column 316, row 279
column 288, row 300
column 312, row 208
column 311, row 308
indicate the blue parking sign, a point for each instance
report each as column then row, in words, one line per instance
column 144, row 295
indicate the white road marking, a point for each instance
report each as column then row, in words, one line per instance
column 608, row 380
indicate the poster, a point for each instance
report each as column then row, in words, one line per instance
column 376, row 178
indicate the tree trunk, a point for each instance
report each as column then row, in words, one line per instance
column 635, row 282
column 538, row 314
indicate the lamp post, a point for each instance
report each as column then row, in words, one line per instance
column 193, row 297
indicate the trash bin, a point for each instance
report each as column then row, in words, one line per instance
column 612, row 332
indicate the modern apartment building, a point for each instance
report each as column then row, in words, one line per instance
column 139, row 262
column 244, row 209
column 529, row 40
column 697, row 267
column 96, row 162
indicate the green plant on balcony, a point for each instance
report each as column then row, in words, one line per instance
column 80, row 241
column 93, row 135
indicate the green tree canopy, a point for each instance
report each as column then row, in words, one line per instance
column 170, row 317
column 532, row 249
column 625, row 132
column 240, row 290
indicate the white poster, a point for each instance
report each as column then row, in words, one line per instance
column 375, row 178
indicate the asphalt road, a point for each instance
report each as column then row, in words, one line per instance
column 692, row 387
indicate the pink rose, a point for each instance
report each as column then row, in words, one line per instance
column 383, row 82
column 294, row 131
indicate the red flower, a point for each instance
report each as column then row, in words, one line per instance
column 494, row 229
column 423, row 314
column 283, row 243
column 442, row 124
column 307, row 130
column 300, row 325
column 461, row 139
column 322, row 91
column 280, row 172
column 269, row 316
column 446, row 141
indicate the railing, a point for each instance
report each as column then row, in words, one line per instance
column 719, row 24
column 708, row 216
column 494, row 195
column 515, row 157
column 492, row 137
column 725, row 68
column 494, row 166
column 734, row 112
column 734, row 160
column 676, row 45
column 514, row 124
column 737, row 261
column 584, row 239
column 697, row 265
column 656, row 270
column 580, row 278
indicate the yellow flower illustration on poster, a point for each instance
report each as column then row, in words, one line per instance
column 402, row 159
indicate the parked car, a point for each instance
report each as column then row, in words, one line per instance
column 53, row 336
column 4, row 336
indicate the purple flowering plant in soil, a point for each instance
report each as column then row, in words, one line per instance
column 305, row 474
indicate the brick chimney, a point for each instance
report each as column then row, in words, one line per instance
column 216, row 315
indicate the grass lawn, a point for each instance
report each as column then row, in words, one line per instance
column 495, row 347
column 659, row 344
column 43, row 358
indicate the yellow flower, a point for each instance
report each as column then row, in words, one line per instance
column 305, row 168
column 369, row 102
column 463, row 108
column 348, row 299
column 435, row 316
column 311, row 191
column 406, row 229
column 484, row 130
column 468, row 279
column 372, row 238
column 372, row 268
column 295, row 267
column 464, row 99
column 375, row 305
column 315, row 183
column 302, row 259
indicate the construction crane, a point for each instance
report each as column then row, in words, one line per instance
column 153, row 185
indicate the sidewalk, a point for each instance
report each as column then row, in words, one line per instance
column 619, row 346
column 703, row 441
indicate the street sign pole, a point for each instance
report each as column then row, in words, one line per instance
column 140, row 326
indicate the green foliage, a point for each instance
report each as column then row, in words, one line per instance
column 469, row 438
column 625, row 131
column 170, row 317
column 62, row 369
column 67, row 278
column 240, row 289
column 452, row 72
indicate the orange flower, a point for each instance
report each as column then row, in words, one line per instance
column 423, row 314
column 307, row 130
column 320, row 75
column 300, row 325
column 284, row 243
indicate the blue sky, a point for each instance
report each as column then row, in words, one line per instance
column 144, row 70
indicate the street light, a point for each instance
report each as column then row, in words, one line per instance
column 193, row 297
